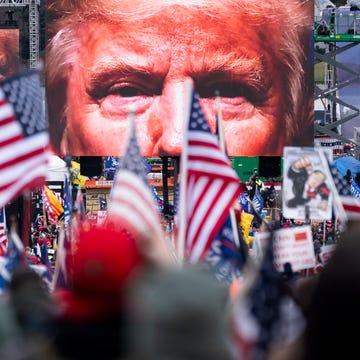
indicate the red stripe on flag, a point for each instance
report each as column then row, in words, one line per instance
column 8, row 120
column 21, row 158
column 11, row 140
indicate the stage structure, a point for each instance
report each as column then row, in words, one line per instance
column 33, row 26
column 336, row 31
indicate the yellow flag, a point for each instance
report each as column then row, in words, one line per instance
column 76, row 177
column 245, row 223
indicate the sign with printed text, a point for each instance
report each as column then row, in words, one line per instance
column 326, row 252
column 293, row 245
column 306, row 189
column 101, row 217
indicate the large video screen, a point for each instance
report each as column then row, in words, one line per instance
column 250, row 62
column 9, row 52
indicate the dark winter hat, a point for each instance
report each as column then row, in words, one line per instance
column 180, row 314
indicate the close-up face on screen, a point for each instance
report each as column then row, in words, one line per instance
column 250, row 62
column 9, row 52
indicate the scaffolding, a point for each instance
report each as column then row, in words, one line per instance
column 336, row 25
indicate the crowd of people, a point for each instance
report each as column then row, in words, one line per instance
column 109, row 296
column 121, row 304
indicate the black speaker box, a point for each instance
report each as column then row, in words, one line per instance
column 269, row 166
column 91, row 166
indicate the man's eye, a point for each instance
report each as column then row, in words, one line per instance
column 128, row 91
column 229, row 90
column 233, row 90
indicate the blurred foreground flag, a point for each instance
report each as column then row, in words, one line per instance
column 130, row 198
column 132, row 206
column 24, row 136
column 209, row 186
column 264, row 314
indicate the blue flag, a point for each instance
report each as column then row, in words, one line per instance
column 67, row 202
column 225, row 256
column 45, row 261
column 13, row 258
column 258, row 202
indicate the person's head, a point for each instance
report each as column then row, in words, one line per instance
column 104, row 261
column 335, row 301
column 103, row 57
column 316, row 178
column 357, row 178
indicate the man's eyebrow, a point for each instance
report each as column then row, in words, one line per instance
column 106, row 70
column 235, row 67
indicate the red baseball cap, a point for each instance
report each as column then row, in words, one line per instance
column 104, row 260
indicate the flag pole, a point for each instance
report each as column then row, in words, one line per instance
column 234, row 225
column 341, row 213
column 219, row 123
column 183, row 175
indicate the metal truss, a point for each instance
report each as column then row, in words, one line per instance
column 332, row 87
column 33, row 26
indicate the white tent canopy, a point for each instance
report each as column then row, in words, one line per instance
column 56, row 169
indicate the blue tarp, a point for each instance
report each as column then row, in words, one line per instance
column 347, row 162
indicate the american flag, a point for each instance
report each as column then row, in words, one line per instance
column 24, row 136
column 264, row 314
column 131, row 201
column 3, row 232
column 349, row 202
column 211, row 183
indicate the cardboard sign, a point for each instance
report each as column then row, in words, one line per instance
column 293, row 245
column 101, row 216
column 326, row 252
column 306, row 190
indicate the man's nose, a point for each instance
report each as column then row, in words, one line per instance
column 172, row 112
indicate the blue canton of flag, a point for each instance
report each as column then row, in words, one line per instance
column 341, row 184
column 350, row 203
column 355, row 190
column 257, row 312
column 24, row 136
column 265, row 299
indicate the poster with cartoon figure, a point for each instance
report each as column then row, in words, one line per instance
column 305, row 185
